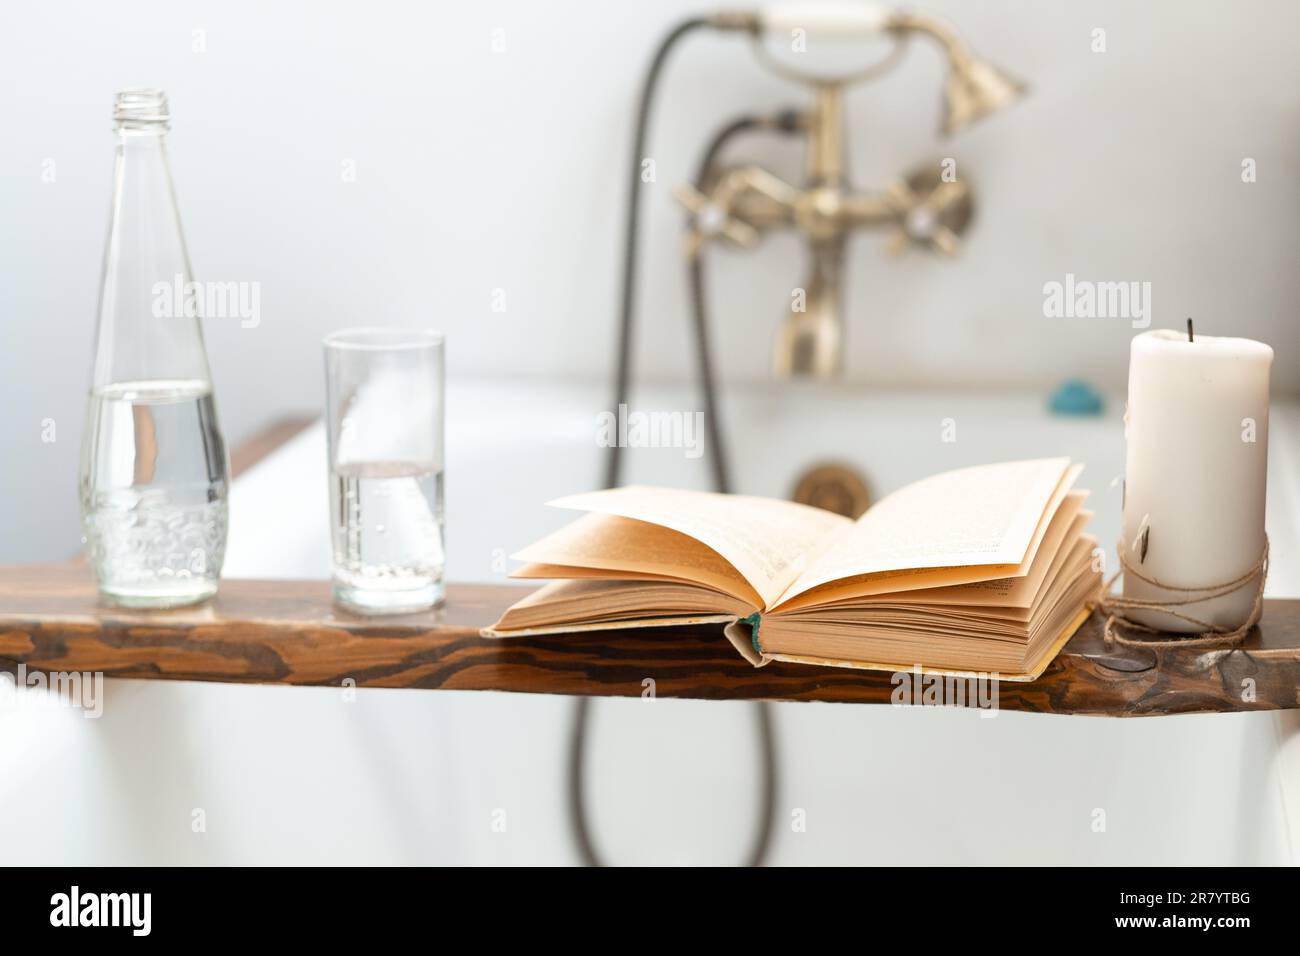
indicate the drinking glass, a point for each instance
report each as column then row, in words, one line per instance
column 384, row 392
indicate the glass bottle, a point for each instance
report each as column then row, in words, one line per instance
column 153, row 462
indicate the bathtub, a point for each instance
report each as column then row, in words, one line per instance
column 178, row 773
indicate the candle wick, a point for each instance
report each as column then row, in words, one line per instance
column 1190, row 336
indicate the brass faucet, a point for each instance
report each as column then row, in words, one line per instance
column 929, row 208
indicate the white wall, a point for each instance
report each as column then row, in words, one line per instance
column 479, row 170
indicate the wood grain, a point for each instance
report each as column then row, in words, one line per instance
column 268, row 440
column 289, row 632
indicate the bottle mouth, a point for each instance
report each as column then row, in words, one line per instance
column 141, row 109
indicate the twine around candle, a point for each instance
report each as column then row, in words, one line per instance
column 1113, row 605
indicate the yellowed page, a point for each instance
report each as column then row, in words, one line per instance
column 571, row 605
column 1007, row 592
column 551, row 572
column 1023, row 592
column 768, row 541
column 842, row 590
column 985, row 515
column 736, row 632
column 914, row 579
column 611, row 543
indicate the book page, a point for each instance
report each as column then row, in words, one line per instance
column 571, row 606
column 841, row 590
column 983, row 515
column 770, row 542
column 913, row 579
column 1021, row 592
column 1012, row 591
column 615, row 544
column 553, row 572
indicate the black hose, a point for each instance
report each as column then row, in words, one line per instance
column 703, row 348
column 721, row 472
column 784, row 122
column 623, row 361
column 787, row 122
column 622, row 374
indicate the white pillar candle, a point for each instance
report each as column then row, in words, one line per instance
column 1197, row 431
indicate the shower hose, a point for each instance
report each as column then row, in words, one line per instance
column 786, row 122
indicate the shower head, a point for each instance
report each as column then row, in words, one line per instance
column 974, row 88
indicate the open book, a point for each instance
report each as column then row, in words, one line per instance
column 981, row 569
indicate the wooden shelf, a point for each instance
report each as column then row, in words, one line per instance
column 289, row 632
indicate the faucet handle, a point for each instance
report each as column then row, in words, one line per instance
column 929, row 211
column 710, row 218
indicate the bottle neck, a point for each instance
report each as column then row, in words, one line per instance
column 144, row 335
column 152, row 136
column 141, row 119
column 141, row 164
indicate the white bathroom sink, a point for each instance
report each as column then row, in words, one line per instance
column 301, row 775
